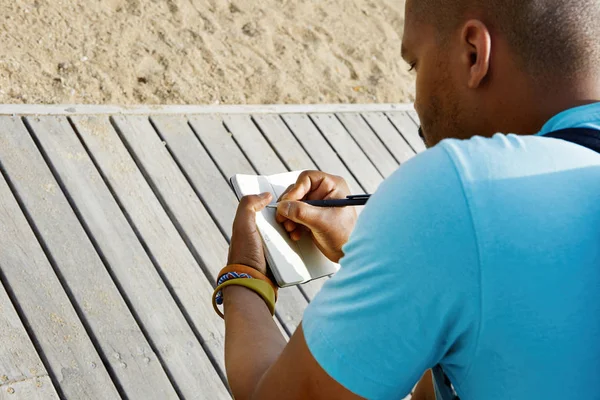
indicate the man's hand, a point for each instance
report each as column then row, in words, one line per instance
column 246, row 246
column 330, row 226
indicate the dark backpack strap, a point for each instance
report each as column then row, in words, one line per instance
column 585, row 137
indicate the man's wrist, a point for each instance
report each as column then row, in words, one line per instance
column 235, row 296
column 248, row 261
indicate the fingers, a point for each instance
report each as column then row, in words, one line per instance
column 298, row 233
column 245, row 217
column 286, row 192
column 255, row 203
column 301, row 213
column 317, row 184
column 289, row 225
column 246, row 246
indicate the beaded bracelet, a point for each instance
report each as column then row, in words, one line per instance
column 224, row 278
column 261, row 288
column 244, row 269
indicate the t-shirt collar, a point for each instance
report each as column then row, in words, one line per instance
column 587, row 116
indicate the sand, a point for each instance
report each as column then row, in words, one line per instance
column 202, row 52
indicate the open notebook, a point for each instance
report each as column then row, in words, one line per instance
column 292, row 263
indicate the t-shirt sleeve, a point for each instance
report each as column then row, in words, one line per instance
column 407, row 295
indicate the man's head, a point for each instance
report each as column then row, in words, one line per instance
column 487, row 66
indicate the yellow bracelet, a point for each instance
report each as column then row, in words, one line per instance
column 262, row 288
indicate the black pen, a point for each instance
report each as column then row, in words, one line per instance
column 354, row 200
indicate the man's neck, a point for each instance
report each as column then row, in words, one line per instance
column 536, row 104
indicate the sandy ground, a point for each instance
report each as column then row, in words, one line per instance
column 202, row 51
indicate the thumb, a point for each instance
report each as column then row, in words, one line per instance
column 301, row 213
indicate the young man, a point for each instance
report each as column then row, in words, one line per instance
column 480, row 257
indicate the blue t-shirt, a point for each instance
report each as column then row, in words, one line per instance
column 482, row 256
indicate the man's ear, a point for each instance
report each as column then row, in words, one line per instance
column 477, row 42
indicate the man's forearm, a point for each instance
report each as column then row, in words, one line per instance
column 253, row 341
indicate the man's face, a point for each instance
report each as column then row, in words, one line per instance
column 437, row 95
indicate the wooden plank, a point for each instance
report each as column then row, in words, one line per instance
column 388, row 134
column 95, row 295
column 29, row 389
column 369, row 143
column 46, row 309
column 190, row 155
column 283, row 142
column 415, row 117
column 319, row 150
column 177, row 347
column 230, row 160
column 176, row 262
column 193, row 221
column 262, row 155
column 253, row 144
column 22, row 373
column 409, row 130
column 352, row 155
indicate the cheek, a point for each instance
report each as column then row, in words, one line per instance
column 434, row 102
column 426, row 97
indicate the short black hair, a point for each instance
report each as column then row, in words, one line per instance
column 550, row 37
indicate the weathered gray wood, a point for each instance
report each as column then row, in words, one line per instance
column 369, row 143
column 415, row 117
column 352, row 155
column 409, row 130
column 231, row 161
column 157, row 312
column 193, row 221
column 262, row 155
column 283, row 142
column 253, row 144
column 192, row 156
column 177, row 265
column 21, row 370
column 319, row 150
column 52, row 321
column 388, row 134
column 95, row 295
column 37, row 388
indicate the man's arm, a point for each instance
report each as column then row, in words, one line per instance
column 260, row 365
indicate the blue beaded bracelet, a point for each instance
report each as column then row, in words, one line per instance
column 225, row 278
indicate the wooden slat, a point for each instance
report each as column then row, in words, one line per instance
column 176, row 263
column 230, row 160
column 415, row 117
column 22, row 373
column 409, row 130
column 319, row 150
column 38, row 388
column 192, row 156
column 262, row 155
column 253, row 144
column 369, row 143
column 95, row 294
column 352, row 155
column 204, row 180
column 388, row 134
column 283, row 142
column 49, row 315
column 176, row 345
